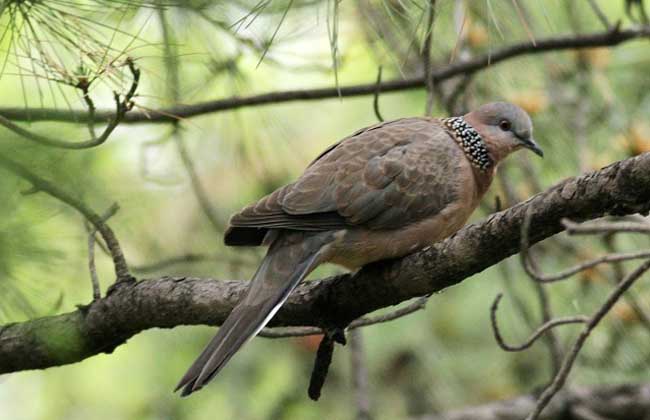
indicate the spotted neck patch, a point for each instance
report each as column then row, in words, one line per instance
column 470, row 140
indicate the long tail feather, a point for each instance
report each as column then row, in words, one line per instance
column 291, row 257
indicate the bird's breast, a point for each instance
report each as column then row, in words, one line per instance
column 357, row 247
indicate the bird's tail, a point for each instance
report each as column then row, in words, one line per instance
column 291, row 257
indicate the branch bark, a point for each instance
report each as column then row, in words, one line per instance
column 611, row 37
column 131, row 307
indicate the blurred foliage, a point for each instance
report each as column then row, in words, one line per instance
column 434, row 360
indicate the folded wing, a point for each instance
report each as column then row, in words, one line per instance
column 383, row 177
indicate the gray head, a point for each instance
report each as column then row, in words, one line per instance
column 504, row 128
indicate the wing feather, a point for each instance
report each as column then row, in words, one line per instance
column 383, row 177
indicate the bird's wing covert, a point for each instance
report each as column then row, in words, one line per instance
column 383, row 177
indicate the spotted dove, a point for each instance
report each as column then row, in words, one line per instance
column 383, row 192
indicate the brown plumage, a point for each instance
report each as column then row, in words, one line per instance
column 383, row 192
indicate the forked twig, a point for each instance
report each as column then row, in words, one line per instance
column 531, row 266
column 122, row 105
column 94, row 279
column 594, row 320
column 580, row 319
column 532, row 271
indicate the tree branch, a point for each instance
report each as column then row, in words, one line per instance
column 613, row 402
column 122, row 104
column 611, row 37
column 547, row 326
column 562, row 375
column 130, row 307
column 40, row 184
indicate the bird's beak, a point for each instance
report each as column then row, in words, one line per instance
column 529, row 143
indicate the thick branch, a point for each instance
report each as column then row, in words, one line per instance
column 621, row 188
column 465, row 67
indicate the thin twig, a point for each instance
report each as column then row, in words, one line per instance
column 619, row 274
column 197, row 186
column 524, row 22
column 84, row 86
column 94, row 279
column 547, row 317
column 608, row 258
column 531, row 266
column 505, row 180
column 567, row 364
column 375, row 99
column 458, row 91
column 582, row 104
column 522, row 307
column 551, row 338
column 640, row 6
column 121, row 267
column 530, row 172
column 426, row 58
column 536, row 334
column 359, row 375
column 289, row 332
column 415, row 306
column 573, row 228
column 599, row 13
column 174, row 87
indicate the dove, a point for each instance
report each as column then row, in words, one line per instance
column 385, row 191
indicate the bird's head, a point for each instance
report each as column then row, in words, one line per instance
column 504, row 128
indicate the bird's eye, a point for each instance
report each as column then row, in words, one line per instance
column 505, row 125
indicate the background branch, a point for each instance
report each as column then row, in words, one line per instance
column 40, row 184
column 562, row 375
column 122, row 105
column 547, row 326
column 618, row 402
column 173, row 92
column 170, row 114
column 92, row 231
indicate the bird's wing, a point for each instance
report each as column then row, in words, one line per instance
column 384, row 177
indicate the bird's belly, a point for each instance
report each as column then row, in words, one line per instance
column 357, row 247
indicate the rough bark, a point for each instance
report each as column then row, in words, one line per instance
column 131, row 307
